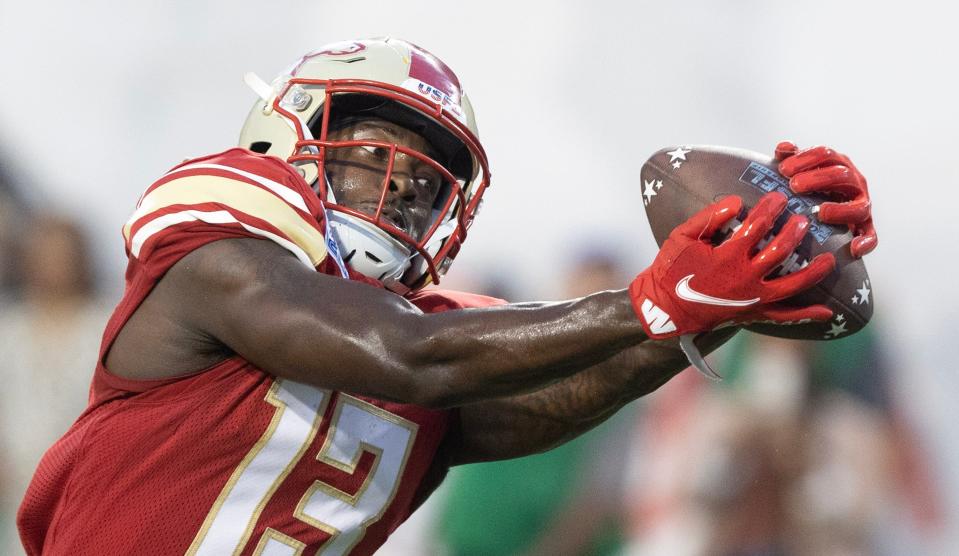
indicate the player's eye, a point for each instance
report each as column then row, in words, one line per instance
column 378, row 152
column 429, row 183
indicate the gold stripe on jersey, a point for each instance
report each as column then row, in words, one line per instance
column 270, row 536
column 240, row 196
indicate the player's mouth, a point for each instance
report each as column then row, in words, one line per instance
column 392, row 215
column 396, row 218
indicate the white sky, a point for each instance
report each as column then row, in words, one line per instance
column 98, row 98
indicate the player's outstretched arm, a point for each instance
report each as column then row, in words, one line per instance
column 526, row 424
column 259, row 301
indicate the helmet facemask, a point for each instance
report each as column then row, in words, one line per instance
column 392, row 198
column 372, row 170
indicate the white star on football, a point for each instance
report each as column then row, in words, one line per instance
column 677, row 164
column 679, row 154
column 835, row 330
column 659, row 184
column 863, row 293
column 840, row 317
column 648, row 190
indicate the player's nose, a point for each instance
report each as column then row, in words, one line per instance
column 402, row 187
column 401, row 179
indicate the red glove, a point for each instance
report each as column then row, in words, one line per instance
column 824, row 171
column 694, row 286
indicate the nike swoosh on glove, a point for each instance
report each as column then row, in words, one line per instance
column 824, row 171
column 695, row 286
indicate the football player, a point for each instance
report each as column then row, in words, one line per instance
column 275, row 379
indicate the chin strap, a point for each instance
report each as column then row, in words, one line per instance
column 696, row 358
column 267, row 94
column 442, row 232
column 260, row 87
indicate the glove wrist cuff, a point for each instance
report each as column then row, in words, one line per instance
column 657, row 323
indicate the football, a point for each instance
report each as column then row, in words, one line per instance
column 679, row 181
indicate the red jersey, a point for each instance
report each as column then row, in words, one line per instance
column 230, row 460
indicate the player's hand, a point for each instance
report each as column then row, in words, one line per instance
column 822, row 170
column 695, row 286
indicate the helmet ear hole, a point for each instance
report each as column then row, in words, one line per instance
column 261, row 146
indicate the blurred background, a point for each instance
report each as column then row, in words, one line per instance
column 840, row 448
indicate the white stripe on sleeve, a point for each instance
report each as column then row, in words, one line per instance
column 216, row 217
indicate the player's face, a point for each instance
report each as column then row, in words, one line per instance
column 356, row 175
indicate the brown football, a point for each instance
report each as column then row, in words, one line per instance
column 679, row 181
